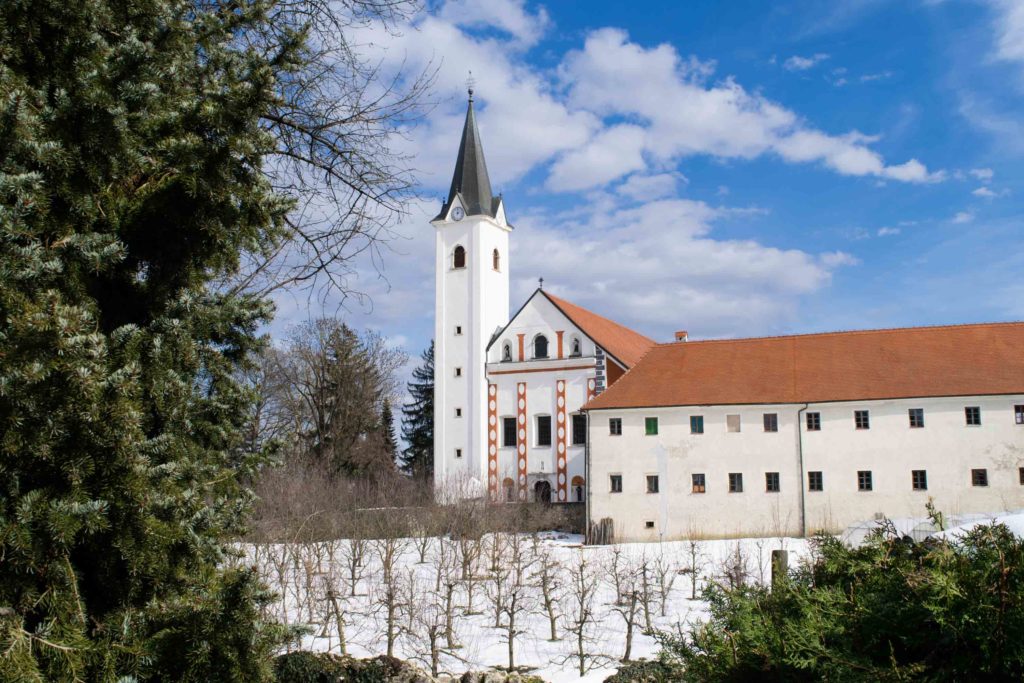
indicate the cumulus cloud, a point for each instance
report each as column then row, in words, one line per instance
column 798, row 63
column 509, row 16
column 962, row 217
column 1009, row 30
column 982, row 174
column 641, row 187
column 679, row 115
column 888, row 232
column 984, row 192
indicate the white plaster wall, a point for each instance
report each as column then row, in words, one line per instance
column 946, row 448
column 540, row 316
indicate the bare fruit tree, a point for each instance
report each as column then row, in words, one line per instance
column 579, row 613
column 548, row 576
column 665, row 574
column 696, row 558
column 388, row 595
column 519, row 598
column 627, row 581
column 353, row 553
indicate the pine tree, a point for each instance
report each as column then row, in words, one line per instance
column 130, row 184
column 418, row 421
column 387, row 428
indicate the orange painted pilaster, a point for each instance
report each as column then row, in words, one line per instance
column 521, row 437
column 559, row 334
column 561, row 467
column 492, row 441
column 522, row 346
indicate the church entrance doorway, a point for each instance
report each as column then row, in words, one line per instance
column 542, row 492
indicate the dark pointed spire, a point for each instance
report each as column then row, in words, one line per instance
column 470, row 180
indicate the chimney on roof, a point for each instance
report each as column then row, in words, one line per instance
column 681, row 335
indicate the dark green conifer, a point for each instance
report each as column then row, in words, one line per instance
column 418, row 421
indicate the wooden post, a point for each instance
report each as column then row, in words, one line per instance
column 780, row 567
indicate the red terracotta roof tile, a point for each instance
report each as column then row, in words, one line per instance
column 622, row 343
column 957, row 360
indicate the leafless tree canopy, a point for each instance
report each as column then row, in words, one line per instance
column 335, row 122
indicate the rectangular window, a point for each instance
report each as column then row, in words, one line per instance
column 649, row 524
column 1018, row 414
column 508, row 432
column 699, row 484
column 916, row 418
column 732, row 423
column 458, row 412
column 771, row 422
column 615, row 426
column 579, row 429
column 919, row 480
column 1020, row 473
column 814, row 422
column 696, row 424
column 615, row 483
column 458, row 372
column 543, row 430
column 973, row 416
column 735, row 482
column 864, row 482
column 979, row 477
column 650, row 426
column 458, row 452
column 815, row 481
column 652, row 483
column 771, row 482
column 458, row 330
column 861, row 419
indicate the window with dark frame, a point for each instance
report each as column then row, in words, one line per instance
column 615, row 426
column 615, row 483
column 458, row 452
column 699, row 485
column 458, row 330
column 458, row 372
column 814, row 422
column 864, row 480
column 458, row 412
column 543, row 430
column 861, row 419
column 496, row 260
column 771, row 482
column 459, row 257
column 919, row 480
column 540, row 346
column 972, row 415
column 771, row 422
column 1018, row 414
column 696, row 424
column 652, row 483
column 815, row 481
column 1020, row 473
column 579, row 429
column 916, row 416
column 979, row 477
column 508, row 432
column 735, row 482
column 649, row 524
column 651, row 426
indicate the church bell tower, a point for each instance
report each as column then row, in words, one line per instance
column 471, row 297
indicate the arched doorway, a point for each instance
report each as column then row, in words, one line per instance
column 542, row 492
column 577, row 489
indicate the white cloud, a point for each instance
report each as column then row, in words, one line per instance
column 664, row 95
column 798, row 63
column 962, row 217
column 867, row 78
column 982, row 174
column 510, row 16
column 649, row 187
column 1009, row 30
column 984, row 192
column 888, row 232
column 668, row 269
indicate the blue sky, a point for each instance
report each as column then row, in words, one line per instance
column 732, row 169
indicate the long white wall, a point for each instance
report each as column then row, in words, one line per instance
column 946, row 448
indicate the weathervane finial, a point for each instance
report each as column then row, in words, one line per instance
column 470, row 84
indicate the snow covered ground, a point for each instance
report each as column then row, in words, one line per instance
column 315, row 584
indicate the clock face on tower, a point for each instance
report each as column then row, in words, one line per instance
column 458, row 214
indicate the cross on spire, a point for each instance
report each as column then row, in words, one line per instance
column 541, row 283
column 470, row 84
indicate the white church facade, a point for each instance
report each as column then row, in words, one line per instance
column 769, row 436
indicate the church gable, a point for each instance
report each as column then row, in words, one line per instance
column 539, row 331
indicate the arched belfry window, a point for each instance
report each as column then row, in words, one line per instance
column 575, row 348
column 459, row 257
column 496, row 257
column 506, row 352
column 540, row 346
